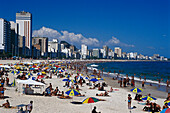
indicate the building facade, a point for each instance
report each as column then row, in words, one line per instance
column 5, row 36
column 84, row 51
column 41, row 43
column 118, row 51
column 24, row 20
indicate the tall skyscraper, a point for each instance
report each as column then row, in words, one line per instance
column 24, row 20
column 118, row 51
column 5, row 36
column 84, row 51
column 14, row 38
column 105, row 52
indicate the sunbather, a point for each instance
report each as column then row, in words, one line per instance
column 6, row 105
column 64, row 97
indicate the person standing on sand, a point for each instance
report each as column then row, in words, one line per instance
column 129, row 101
column 167, row 82
column 143, row 84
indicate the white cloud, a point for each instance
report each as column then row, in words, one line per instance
column 116, row 42
column 46, row 32
column 72, row 38
column 76, row 39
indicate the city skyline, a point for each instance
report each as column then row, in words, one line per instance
column 136, row 26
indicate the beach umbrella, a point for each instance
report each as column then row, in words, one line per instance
column 72, row 92
column 79, row 77
column 13, row 83
column 29, row 74
column 100, row 79
column 18, row 72
column 150, row 98
column 136, row 90
column 73, row 81
column 39, row 73
column 40, row 77
column 92, row 75
column 43, row 72
column 90, row 100
column 67, row 76
column 168, row 102
column 65, row 80
column 94, row 80
column 32, row 68
column 166, row 110
column 86, row 78
column 13, row 72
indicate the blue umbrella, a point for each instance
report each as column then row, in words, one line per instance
column 94, row 79
column 79, row 77
column 86, row 78
column 65, row 79
column 92, row 75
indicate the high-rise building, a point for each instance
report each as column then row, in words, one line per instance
column 54, row 48
column 24, row 20
column 118, row 51
column 14, row 38
column 5, row 36
column 84, row 51
column 41, row 43
column 96, row 53
column 105, row 51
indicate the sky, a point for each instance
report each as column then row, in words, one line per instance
column 134, row 25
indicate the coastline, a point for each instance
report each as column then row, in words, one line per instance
column 115, row 103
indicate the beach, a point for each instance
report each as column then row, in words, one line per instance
column 115, row 103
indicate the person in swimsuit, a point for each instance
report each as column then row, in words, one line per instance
column 129, row 101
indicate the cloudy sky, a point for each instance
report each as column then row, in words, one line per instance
column 134, row 25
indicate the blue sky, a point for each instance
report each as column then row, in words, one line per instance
column 141, row 23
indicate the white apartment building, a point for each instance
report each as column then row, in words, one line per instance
column 24, row 20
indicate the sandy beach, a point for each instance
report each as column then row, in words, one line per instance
column 115, row 103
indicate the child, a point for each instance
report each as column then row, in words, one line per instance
column 129, row 101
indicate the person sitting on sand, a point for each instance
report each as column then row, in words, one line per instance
column 64, row 97
column 147, row 102
column 111, row 90
column 94, row 110
column 165, row 106
column 6, row 105
column 157, row 107
column 55, row 92
column 101, row 88
column 80, row 95
column 29, row 107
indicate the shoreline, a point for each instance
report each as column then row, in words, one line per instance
column 53, row 104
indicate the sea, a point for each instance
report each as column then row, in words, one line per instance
column 152, row 70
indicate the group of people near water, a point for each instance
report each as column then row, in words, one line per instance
column 50, row 91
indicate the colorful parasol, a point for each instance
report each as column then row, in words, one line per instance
column 72, row 92
column 148, row 98
column 90, row 100
column 136, row 90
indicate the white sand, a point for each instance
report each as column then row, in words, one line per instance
column 116, row 103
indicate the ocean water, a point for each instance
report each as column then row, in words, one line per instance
column 152, row 70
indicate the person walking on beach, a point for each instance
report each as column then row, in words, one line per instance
column 129, row 101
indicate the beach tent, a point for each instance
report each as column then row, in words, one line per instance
column 5, row 66
column 30, row 82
